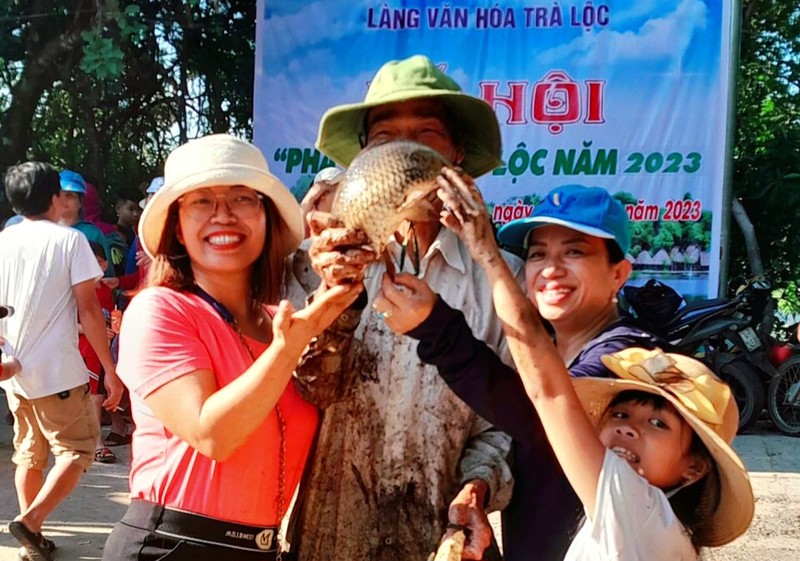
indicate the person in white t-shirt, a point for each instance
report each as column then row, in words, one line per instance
column 48, row 273
column 647, row 454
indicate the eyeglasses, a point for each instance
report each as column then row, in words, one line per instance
column 202, row 204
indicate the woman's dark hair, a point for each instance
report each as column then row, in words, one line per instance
column 615, row 254
column 694, row 503
column 171, row 267
column 30, row 187
column 129, row 194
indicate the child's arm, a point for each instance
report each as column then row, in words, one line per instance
column 544, row 375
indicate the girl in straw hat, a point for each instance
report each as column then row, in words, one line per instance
column 648, row 454
column 221, row 435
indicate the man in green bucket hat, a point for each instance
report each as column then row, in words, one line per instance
column 415, row 83
column 399, row 455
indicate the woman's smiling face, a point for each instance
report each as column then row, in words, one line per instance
column 569, row 274
column 223, row 227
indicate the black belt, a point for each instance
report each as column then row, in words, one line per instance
column 201, row 529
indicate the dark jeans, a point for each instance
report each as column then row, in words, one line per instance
column 141, row 536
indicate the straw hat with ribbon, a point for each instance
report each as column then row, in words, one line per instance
column 214, row 160
column 704, row 401
column 415, row 78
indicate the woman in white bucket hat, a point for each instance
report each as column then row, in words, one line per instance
column 207, row 352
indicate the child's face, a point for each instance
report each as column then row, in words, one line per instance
column 102, row 262
column 70, row 205
column 655, row 442
column 128, row 213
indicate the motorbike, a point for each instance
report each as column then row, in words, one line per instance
column 783, row 394
column 722, row 332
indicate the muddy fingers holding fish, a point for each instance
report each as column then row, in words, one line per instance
column 465, row 212
column 406, row 294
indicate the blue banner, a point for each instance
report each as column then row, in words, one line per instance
column 630, row 95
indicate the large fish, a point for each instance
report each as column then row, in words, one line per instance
column 387, row 184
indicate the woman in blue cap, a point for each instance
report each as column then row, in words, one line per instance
column 575, row 243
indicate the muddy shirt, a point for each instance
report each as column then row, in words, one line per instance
column 396, row 444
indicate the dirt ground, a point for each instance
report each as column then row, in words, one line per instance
column 774, row 465
column 81, row 524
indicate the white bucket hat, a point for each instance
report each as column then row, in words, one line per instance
column 217, row 159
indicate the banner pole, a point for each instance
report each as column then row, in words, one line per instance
column 730, row 140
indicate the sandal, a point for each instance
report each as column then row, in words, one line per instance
column 104, row 456
column 24, row 555
column 116, row 439
column 38, row 547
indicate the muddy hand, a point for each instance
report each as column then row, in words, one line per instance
column 338, row 255
column 451, row 547
column 465, row 212
column 466, row 511
column 404, row 302
column 319, row 197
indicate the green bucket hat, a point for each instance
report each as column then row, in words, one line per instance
column 415, row 78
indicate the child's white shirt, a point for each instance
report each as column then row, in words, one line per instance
column 633, row 522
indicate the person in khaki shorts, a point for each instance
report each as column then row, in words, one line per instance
column 48, row 273
column 60, row 423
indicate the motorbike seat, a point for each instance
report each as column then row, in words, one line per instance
column 694, row 311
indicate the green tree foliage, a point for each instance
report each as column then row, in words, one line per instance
column 109, row 88
column 767, row 148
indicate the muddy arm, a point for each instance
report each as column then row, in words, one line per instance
column 323, row 374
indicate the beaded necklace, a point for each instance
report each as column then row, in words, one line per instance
column 230, row 319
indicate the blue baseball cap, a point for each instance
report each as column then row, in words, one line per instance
column 72, row 182
column 156, row 184
column 590, row 210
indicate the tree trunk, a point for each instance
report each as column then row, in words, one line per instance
column 756, row 264
column 38, row 76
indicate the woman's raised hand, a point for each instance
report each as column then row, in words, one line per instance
column 465, row 213
column 297, row 328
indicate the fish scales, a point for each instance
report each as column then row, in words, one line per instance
column 385, row 185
